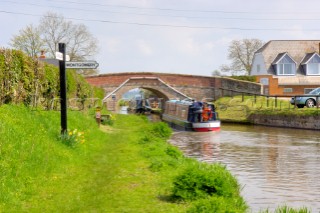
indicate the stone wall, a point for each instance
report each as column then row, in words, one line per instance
column 291, row 121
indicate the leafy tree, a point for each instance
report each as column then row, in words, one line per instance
column 28, row 40
column 241, row 54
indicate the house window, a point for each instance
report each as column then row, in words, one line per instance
column 285, row 66
column 287, row 90
column 258, row 67
column 286, row 69
column 264, row 81
column 307, row 90
column 313, row 67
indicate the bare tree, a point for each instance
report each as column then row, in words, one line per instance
column 81, row 43
column 29, row 41
column 241, row 54
column 55, row 29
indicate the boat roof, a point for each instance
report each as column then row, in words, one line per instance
column 177, row 101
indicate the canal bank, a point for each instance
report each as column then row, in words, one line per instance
column 308, row 122
column 311, row 122
column 301, row 119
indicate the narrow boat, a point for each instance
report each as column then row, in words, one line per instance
column 191, row 116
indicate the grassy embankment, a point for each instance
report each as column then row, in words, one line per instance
column 233, row 109
column 128, row 167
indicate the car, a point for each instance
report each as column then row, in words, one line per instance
column 309, row 100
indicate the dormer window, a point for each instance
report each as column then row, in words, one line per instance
column 284, row 65
column 311, row 64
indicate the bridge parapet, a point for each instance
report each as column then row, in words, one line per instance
column 169, row 86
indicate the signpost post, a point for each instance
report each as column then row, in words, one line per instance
column 63, row 87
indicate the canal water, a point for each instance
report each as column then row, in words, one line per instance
column 275, row 166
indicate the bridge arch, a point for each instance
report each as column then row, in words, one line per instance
column 169, row 85
column 153, row 84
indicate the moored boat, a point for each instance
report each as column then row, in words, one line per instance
column 191, row 116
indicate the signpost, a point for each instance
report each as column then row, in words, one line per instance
column 63, row 64
column 82, row 65
column 63, row 87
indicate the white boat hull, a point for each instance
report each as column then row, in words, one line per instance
column 206, row 126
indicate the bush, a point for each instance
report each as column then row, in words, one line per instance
column 161, row 130
column 204, row 180
column 218, row 205
column 245, row 78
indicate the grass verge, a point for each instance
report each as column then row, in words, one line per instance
column 126, row 168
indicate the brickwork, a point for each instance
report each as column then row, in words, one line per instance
column 168, row 86
column 275, row 89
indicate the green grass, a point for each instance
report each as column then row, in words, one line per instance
column 238, row 110
column 41, row 174
column 287, row 209
column 128, row 167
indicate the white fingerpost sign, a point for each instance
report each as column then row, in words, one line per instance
column 82, row 65
column 59, row 56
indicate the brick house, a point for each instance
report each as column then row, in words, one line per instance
column 287, row 67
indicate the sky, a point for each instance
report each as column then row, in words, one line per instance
column 169, row 36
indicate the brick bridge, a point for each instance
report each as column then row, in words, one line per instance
column 168, row 86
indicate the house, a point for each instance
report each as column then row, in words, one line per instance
column 287, row 67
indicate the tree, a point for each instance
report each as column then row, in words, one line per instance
column 241, row 54
column 29, row 41
column 80, row 43
column 216, row 73
column 52, row 30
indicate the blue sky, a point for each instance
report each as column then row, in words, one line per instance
column 180, row 36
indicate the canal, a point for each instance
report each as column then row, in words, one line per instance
column 275, row 166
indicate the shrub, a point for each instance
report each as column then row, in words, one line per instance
column 201, row 181
column 161, row 129
column 218, row 205
column 245, row 78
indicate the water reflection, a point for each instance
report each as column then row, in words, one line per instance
column 276, row 166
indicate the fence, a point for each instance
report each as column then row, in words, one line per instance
column 275, row 101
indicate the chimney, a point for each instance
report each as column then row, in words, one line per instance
column 44, row 56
